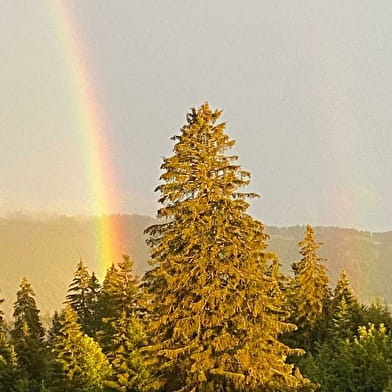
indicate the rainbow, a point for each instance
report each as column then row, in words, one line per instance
column 94, row 131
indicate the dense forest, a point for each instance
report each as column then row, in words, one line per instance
column 215, row 311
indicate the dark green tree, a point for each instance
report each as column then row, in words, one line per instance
column 93, row 322
column 54, row 330
column 215, row 302
column 8, row 364
column 28, row 338
column 310, row 293
column 360, row 364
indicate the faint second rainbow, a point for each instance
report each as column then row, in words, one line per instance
column 94, row 131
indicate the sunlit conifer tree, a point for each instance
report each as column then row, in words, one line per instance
column 215, row 302
column 28, row 338
column 311, row 292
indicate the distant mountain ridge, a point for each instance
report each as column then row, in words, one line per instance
column 46, row 250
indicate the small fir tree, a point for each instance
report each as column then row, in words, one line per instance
column 28, row 337
column 79, row 295
column 343, row 290
column 119, row 294
column 310, row 293
column 84, row 368
column 215, row 302
column 345, row 301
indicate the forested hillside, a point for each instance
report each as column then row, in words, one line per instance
column 46, row 250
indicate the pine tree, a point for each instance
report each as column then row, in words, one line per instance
column 119, row 294
column 122, row 333
column 343, row 290
column 28, row 337
column 84, row 368
column 7, row 357
column 345, row 305
column 311, row 293
column 93, row 322
column 214, row 299
column 129, row 370
column 78, row 294
column 127, row 290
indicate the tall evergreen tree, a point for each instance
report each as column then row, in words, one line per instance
column 311, row 293
column 28, row 337
column 214, row 299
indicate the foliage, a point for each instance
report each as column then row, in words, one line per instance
column 215, row 302
column 28, row 337
column 129, row 370
column 8, row 363
column 346, row 315
column 119, row 294
column 360, row 364
column 310, row 293
column 377, row 313
column 212, row 313
column 84, row 368
column 83, row 295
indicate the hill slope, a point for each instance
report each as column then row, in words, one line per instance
column 46, row 250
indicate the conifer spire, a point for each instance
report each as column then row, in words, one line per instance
column 310, row 289
column 214, row 298
column 119, row 294
column 343, row 290
column 28, row 335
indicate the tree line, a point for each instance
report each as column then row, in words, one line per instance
column 214, row 313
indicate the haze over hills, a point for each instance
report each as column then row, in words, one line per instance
column 46, row 250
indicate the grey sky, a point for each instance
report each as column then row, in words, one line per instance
column 306, row 89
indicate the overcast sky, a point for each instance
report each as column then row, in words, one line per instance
column 306, row 88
